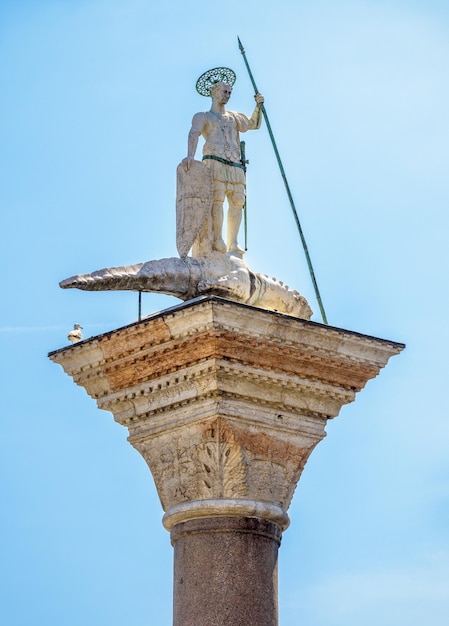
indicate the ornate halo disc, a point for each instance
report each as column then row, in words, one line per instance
column 217, row 75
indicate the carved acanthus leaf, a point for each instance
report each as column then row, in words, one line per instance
column 221, row 469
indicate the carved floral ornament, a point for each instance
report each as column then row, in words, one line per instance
column 219, row 459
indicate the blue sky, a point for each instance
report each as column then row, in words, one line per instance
column 97, row 99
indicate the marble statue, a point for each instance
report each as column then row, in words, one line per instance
column 214, row 267
column 221, row 154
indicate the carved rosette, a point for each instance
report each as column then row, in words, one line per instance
column 225, row 402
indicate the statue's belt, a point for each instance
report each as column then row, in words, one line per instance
column 216, row 158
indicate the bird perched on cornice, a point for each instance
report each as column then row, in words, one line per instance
column 75, row 334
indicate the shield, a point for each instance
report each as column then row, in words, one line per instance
column 194, row 193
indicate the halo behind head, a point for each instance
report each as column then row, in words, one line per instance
column 218, row 75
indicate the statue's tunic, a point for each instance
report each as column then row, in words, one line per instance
column 221, row 134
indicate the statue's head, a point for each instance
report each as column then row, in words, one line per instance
column 221, row 92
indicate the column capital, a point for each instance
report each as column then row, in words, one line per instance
column 224, row 401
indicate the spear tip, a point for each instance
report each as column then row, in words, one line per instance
column 242, row 50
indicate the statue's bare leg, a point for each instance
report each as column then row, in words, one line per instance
column 235, row 210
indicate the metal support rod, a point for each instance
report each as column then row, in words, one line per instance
column 290, row 197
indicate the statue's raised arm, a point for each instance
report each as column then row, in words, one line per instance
column 256, row 117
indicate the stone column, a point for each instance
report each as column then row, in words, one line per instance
column 225, row 403
column 225, row 571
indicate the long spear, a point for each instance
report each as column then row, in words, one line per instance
column 290, row 197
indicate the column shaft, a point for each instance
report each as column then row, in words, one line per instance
column 225, row 572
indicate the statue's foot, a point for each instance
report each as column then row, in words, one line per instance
column 219, row 245
column 235, row 249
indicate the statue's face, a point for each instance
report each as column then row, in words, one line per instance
column 221, row 93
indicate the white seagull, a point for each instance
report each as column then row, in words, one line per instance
column 75, row 334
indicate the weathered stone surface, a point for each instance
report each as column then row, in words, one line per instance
column 226, row 572
column 225, row 402
column 218, row 274
column 194, row 188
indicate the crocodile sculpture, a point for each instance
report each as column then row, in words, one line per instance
column 224, row 275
